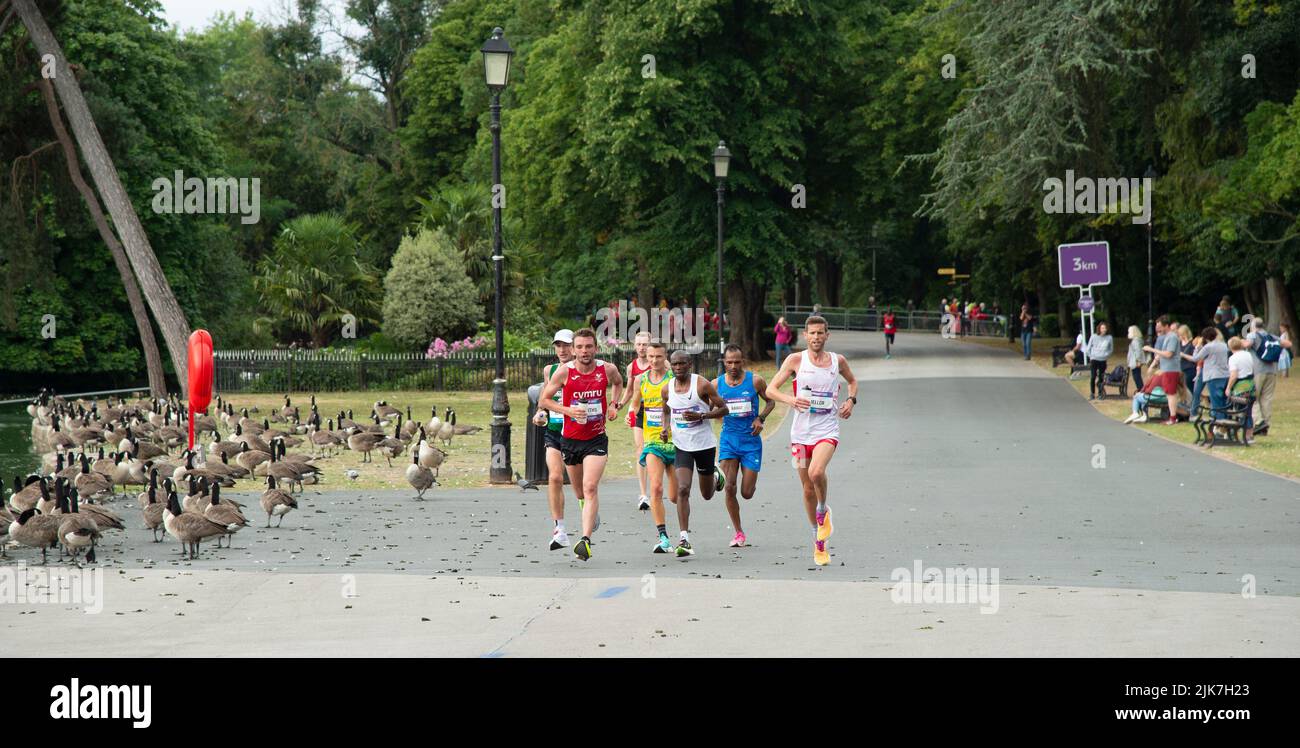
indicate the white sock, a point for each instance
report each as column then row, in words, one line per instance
column 559, row 525
column 685, row 536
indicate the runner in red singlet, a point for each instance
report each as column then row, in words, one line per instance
column 891, row 327
column 589, row 388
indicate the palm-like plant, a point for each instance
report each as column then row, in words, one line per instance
column 464, row 214
column 312, row 278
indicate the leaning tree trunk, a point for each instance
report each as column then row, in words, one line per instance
column 743, row 331
column 153, row 361
column 1280, row 308
column 157, row 292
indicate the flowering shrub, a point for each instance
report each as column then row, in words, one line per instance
column 439, row 348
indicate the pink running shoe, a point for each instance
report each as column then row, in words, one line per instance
column 738, row 541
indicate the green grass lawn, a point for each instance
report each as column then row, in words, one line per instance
column 468, row 456
column 1277, row 453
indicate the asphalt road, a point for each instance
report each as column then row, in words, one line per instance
column 958, row 456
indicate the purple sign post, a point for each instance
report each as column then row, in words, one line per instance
column 1083, row 266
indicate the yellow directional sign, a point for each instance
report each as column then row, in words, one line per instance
column 947, row 271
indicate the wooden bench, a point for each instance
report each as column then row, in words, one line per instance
column 1058, row 358
column 1122, row 387
column 1228, row 429
column 1157, row 399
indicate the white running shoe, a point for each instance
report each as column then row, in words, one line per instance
column 559, row 539
column 644, row 504
column 1131, row 418
column 1142, row 418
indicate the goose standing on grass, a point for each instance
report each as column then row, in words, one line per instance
column 448, row 429
column 419, row 476
column 128, row 471
column 363, row 442
column 224, row 513
column 276, row 502
column 393, row 446
column 250, row 459
column 411, row 426
column 435, row 423
column 321, row 440
column 189, row 528
column 430, row 456
column 386, row 411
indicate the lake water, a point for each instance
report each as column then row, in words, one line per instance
column 16, row 457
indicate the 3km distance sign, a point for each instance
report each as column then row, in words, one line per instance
column 1083, row 265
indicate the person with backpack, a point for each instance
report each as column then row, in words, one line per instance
column 1266, row 351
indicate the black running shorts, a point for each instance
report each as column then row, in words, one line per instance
column 576, row 450
column 702, row 460
column 553, row 440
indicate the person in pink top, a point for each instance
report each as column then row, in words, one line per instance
column 784, row 335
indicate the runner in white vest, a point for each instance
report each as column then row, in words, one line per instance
column 689, row 399
column 815, row 432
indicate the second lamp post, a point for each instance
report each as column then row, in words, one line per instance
column 496, row 69
column 721, row 160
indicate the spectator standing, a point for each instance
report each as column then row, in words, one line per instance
column 1167, row 363
column 1186, row 347
column 1027, row 324
column 1284, row 363
column 1099, row 349
column 1226, row 318
column 1265, row 374
column 784, row 335
column 1212, row 356
column 1137, row 356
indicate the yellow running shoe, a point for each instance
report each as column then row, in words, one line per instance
column 824, row 528
column 821, row 554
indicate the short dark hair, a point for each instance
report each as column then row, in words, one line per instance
column 816, row 319
column 585, row 332
column 732, row 347
column 1163, row 319
column 1209, row 333
column 657, row 343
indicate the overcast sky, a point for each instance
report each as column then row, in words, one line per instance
column 194, row 14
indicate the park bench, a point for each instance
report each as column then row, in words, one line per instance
column 1158, row 399
column 1230, row 427
column 1118, row 379
column 1058, row 358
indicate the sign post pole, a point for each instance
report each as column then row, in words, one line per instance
column 1084, row 265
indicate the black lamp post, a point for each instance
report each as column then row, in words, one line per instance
column 1151, row 318
column 496, row 71
column 721, row 161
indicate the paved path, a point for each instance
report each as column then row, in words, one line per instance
column 959, row 455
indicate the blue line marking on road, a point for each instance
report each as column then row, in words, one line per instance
column 493, row 655
column 611, row 592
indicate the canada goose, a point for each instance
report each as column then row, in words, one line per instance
column 392, row 446
column 345, row 420
column 48, row 504
column 26, row 493
column 435, row 423
column 69, row 468
column 363, row 442
column 91, row 485
column 128, row 471
column 321, row 440
column 35, row 530
column 188, row 527
column 302, row 463
column 411, row 426
column 229, row 449
column 138, row 449
column 60, row 439
column 385, row 410
column 107, row 519
column 223, row 469
column 252, row 440
column 152, row 512
column 189, row 469
column 104, row 465
column 277, row 502
column 419, row 476
column 248, row 425
column 430, row 456
column 283, row 471
column 6, row 518
column 77, row 531
column 198, row 491
column 224, row 513
column 448, row 428
column 462, row 429
column 249, row 458
column 287, row 411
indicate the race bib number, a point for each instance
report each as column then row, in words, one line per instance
column 654, row 417
column 594, row 409
column 555, row 418
column 740, row 406
column 679, row 419
column 821, row 402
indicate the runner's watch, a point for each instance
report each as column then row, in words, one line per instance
column 854, row 399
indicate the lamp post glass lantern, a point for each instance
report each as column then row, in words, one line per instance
column 496, row 73
column 721, row 163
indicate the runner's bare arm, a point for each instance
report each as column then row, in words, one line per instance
column 760, row 386
column 616, row 384
column 634, row 401
column 627, row 394
column 554, row 385
column 787, row 370
column 666, row 434
column 710, row 395
column 846, row 408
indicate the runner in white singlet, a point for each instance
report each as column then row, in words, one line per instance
column 815, row 431
column 685, row 411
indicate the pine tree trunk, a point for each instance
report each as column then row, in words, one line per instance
column 157, row 292
column 153, row 361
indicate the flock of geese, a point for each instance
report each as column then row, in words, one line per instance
column 61, row 505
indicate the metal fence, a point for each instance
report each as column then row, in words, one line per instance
column 844, row 318
column 333, row 371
